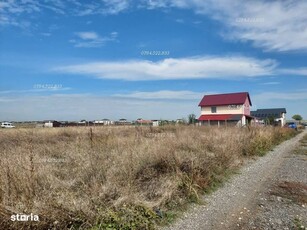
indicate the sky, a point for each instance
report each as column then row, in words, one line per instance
column 150, row 59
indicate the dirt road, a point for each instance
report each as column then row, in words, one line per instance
column 259, row 197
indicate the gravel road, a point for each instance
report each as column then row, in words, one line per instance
column 251, row 199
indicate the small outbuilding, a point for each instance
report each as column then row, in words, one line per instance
column 52, row 123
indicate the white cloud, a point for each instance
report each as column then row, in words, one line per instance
column 179, row 20
column 104, row 7
column 114, row 6
column 18, row 7
column 14, row 11
column 86, row 9
column 59, row 9
column 272, row 25
column 293, row 96
column 34, row 90
column 46, row 34
column 171, row 68
column 91, row 39
column 298, row 71
column 152, row 4
column 90, row 107
column 7, row 100
column 164, row 94
column 271, row 83
column 294, row 101
column 88, row 35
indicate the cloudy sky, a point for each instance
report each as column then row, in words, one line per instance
column 94, row 59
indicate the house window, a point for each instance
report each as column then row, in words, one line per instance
column 213, row 109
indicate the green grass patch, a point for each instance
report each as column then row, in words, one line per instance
column 128, row 217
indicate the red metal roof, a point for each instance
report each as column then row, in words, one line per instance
column 144, row 121
column 220, row 117
column 225, row 99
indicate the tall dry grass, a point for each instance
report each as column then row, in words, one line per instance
column 116, row 178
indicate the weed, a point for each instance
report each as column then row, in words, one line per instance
column 65, row 175
column 298, row 224
column 295, row 191
column 127, row 217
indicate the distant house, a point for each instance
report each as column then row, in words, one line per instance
column 122, row 121
column 225, row 109
column 155, row 122
column 98, row 122
column 107, row 122
column 180, row 121
column 52, row 123
column 264, row 115
column 141, row 122
column 104, row 122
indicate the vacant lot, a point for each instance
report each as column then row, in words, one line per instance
column 117, row 178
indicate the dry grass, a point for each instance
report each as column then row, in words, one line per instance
column 116, row 178
column 302, row 148
column 295, row 191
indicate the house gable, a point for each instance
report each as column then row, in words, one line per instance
column 247, row 106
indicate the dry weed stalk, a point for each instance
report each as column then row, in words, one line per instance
column 105, row 168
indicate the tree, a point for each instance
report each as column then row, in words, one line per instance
column 297, row 117
column 269, row 120
column 192, row 119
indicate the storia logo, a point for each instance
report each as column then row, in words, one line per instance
column 24, row 217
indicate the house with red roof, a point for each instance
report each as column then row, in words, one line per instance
column 141, row 121
column 225, row 109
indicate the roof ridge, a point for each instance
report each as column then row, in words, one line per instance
column 224, row 93
column 225, row 99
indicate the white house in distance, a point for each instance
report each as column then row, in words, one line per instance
column 51, row 123
column 225, row 109
column 279, row 115
column 104, row 122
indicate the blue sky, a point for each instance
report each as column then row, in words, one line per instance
column 73, row 59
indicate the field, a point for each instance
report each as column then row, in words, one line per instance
column 118, row 178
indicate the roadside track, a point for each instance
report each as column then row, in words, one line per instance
column 231, row 204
